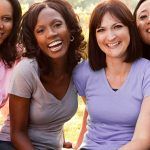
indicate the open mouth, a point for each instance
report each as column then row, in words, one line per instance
column 55, row 45
column 148, row 30
column 113, row 45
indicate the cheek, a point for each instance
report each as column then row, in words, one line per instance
column 99, row 39
column 140, row 27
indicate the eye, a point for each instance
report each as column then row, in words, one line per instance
column 142, row 17
column 118, row 26
column 41, row 30
column 7, row 19
column 57, row 24
column 100, row 29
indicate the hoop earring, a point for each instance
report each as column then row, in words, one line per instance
column 72, row 38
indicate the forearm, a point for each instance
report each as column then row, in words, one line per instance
column 21, row 142
column 82, row 131
column 140, row 144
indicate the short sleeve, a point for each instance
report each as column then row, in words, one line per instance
column 146, row 80
column 80, row 76
column 22, row 79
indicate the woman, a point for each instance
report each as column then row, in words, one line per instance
column 114, row 83
column 142, row 16
column 43, row 96
column 10, row 14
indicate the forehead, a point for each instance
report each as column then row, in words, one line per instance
column 5, row 7
column 49, row 14
column 145, row 6
column 109, row 18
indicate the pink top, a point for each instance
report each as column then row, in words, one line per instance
column 5, row 75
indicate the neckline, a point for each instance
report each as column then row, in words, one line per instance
column 122, row 86
column 54, row 97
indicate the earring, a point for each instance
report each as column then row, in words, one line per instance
column 72, row 38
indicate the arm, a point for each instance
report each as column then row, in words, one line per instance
column 19, row 112
column 141, row 137
column 83, row 128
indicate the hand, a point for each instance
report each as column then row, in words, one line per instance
column 67, row 145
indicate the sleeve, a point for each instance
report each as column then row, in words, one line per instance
column 146, row 81
column 21, row 81
column 80, row 78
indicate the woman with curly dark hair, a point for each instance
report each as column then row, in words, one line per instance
column 43, row 96
column 10, row 14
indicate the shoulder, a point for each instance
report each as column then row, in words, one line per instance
column 27, row 64
column 26, row 68
column 82, row 67
column 142, row 64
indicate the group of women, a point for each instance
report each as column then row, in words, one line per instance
column 43, row 82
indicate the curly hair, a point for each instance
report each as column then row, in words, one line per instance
column 27, row 38
column 8, row 51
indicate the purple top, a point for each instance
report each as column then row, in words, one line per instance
column 112, row 114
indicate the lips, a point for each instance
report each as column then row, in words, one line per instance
column 113, row 45
column 1, row 34
column 148, row 30
column 55, row 45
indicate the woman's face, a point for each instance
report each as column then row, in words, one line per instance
column 113, row 37
column 6, row 19
column 143, row 21
column 51, row 33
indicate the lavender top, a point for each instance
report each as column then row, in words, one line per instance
column 112, row 114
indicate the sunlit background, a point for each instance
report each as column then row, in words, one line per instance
column 83, row 8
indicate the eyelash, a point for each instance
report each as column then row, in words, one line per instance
column 99, row 30
column 6, row 19
column 115, row 27
column 118, row 26
column 143, row 17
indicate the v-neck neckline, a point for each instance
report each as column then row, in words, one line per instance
column 122, row 86
column 54, row 97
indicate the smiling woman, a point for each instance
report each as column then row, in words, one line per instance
column 10, row 13
column 114, row 83
column 43, row 96
column 142, row 16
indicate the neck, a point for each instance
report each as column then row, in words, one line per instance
column 117, row 67
column 58, row 67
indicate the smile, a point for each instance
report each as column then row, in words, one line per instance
column 55, row 45
column 148, row 30
column 111, row 45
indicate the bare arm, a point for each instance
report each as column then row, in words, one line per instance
column 83, row 128
column 19, row 112
column 141, row 137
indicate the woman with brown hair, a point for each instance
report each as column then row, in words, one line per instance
column 114, row 83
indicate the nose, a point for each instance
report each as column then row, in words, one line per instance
column 148, row 21
column 111, row 35
column 50, row 33
column 1, row 25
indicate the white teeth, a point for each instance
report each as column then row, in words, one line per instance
column 55, row 46
column 148, row 30
column 55, row 49
column 54, row 43
column 113, row 44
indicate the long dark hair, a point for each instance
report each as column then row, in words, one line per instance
column 27, row 37
column 97, row 57
column 146, row 47
column 8, row 51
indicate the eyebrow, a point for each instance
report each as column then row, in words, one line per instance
column 142, row 11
